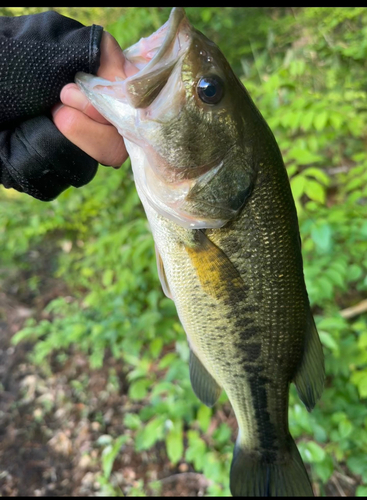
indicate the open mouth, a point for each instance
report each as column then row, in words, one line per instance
column 159, row 46
column 149, row 65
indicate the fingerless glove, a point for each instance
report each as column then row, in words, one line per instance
column 39, row 54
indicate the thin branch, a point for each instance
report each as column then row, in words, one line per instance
column 342, row 169
column 338, row 487
column 350, row 312
column 348, row 479
column 186, row 475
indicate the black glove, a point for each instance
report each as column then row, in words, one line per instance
column 39, row 54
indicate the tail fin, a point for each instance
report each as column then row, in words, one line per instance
column 253, row 475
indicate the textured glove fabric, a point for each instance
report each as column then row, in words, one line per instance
column 39, row 54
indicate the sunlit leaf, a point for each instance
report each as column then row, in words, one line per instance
column 315, row 191
column 312, row 452
column 204, row 416
column 320, row 120
column 174, row 442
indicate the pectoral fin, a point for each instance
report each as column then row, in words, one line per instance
column 310, row 375
column 162, row 274
column 203, row 384
column 217, row 275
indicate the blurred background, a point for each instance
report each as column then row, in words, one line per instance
column 95, row 397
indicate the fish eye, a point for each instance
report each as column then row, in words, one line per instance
column 210, row 89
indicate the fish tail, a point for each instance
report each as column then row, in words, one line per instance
column 256, row 474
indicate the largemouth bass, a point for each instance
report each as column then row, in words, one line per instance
column 215, row 190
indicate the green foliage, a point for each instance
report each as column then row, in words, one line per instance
column 110, row 452
column 305, row 69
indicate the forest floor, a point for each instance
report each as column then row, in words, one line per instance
column 54, row 421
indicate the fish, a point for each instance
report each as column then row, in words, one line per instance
column 213, row 184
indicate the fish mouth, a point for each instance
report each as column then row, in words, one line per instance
column 157, row 44
column 149, row 63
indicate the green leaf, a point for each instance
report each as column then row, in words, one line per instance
column 174, row 442
column 110, row 453
column 222, row 434
column 291, row 169
column 319, row 174
column 359, row 378
column 150, row 434
column 362, row 341
column 354, row 272
column 311, row 452
column 96, row 358
column 354, row 184
column 155, row 346
column 298, row 185
column 107, row 277
column 357, row 463
column 132, row 421
column 320, row 120
column 307, row 120
column 196, row 450
column 163, row 387
column 168, row 359
column 324, row 469
column 315, row 191
column 335, row 277
column 139, row 389
column 345, row 428
column 328, row 341
column 303, row 156
column 336, row 120
column 361, row 491
column 204, row 416
column 321, row 235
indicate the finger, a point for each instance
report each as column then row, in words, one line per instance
column 106, row 145
column 112, row 61
column 112, row 64
column 73, row 97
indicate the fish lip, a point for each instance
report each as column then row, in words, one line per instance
column 164, row 59
column 171, row 26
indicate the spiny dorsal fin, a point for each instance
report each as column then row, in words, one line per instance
column 310, row 375
column 203, row 384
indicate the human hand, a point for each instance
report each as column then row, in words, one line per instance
column 81, row 123
column 43, row 53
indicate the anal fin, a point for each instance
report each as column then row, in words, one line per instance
column 310, row 376
column 203, row 384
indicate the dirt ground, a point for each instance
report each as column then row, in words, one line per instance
column 53, row 426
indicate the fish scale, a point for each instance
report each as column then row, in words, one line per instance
column 215, row 190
